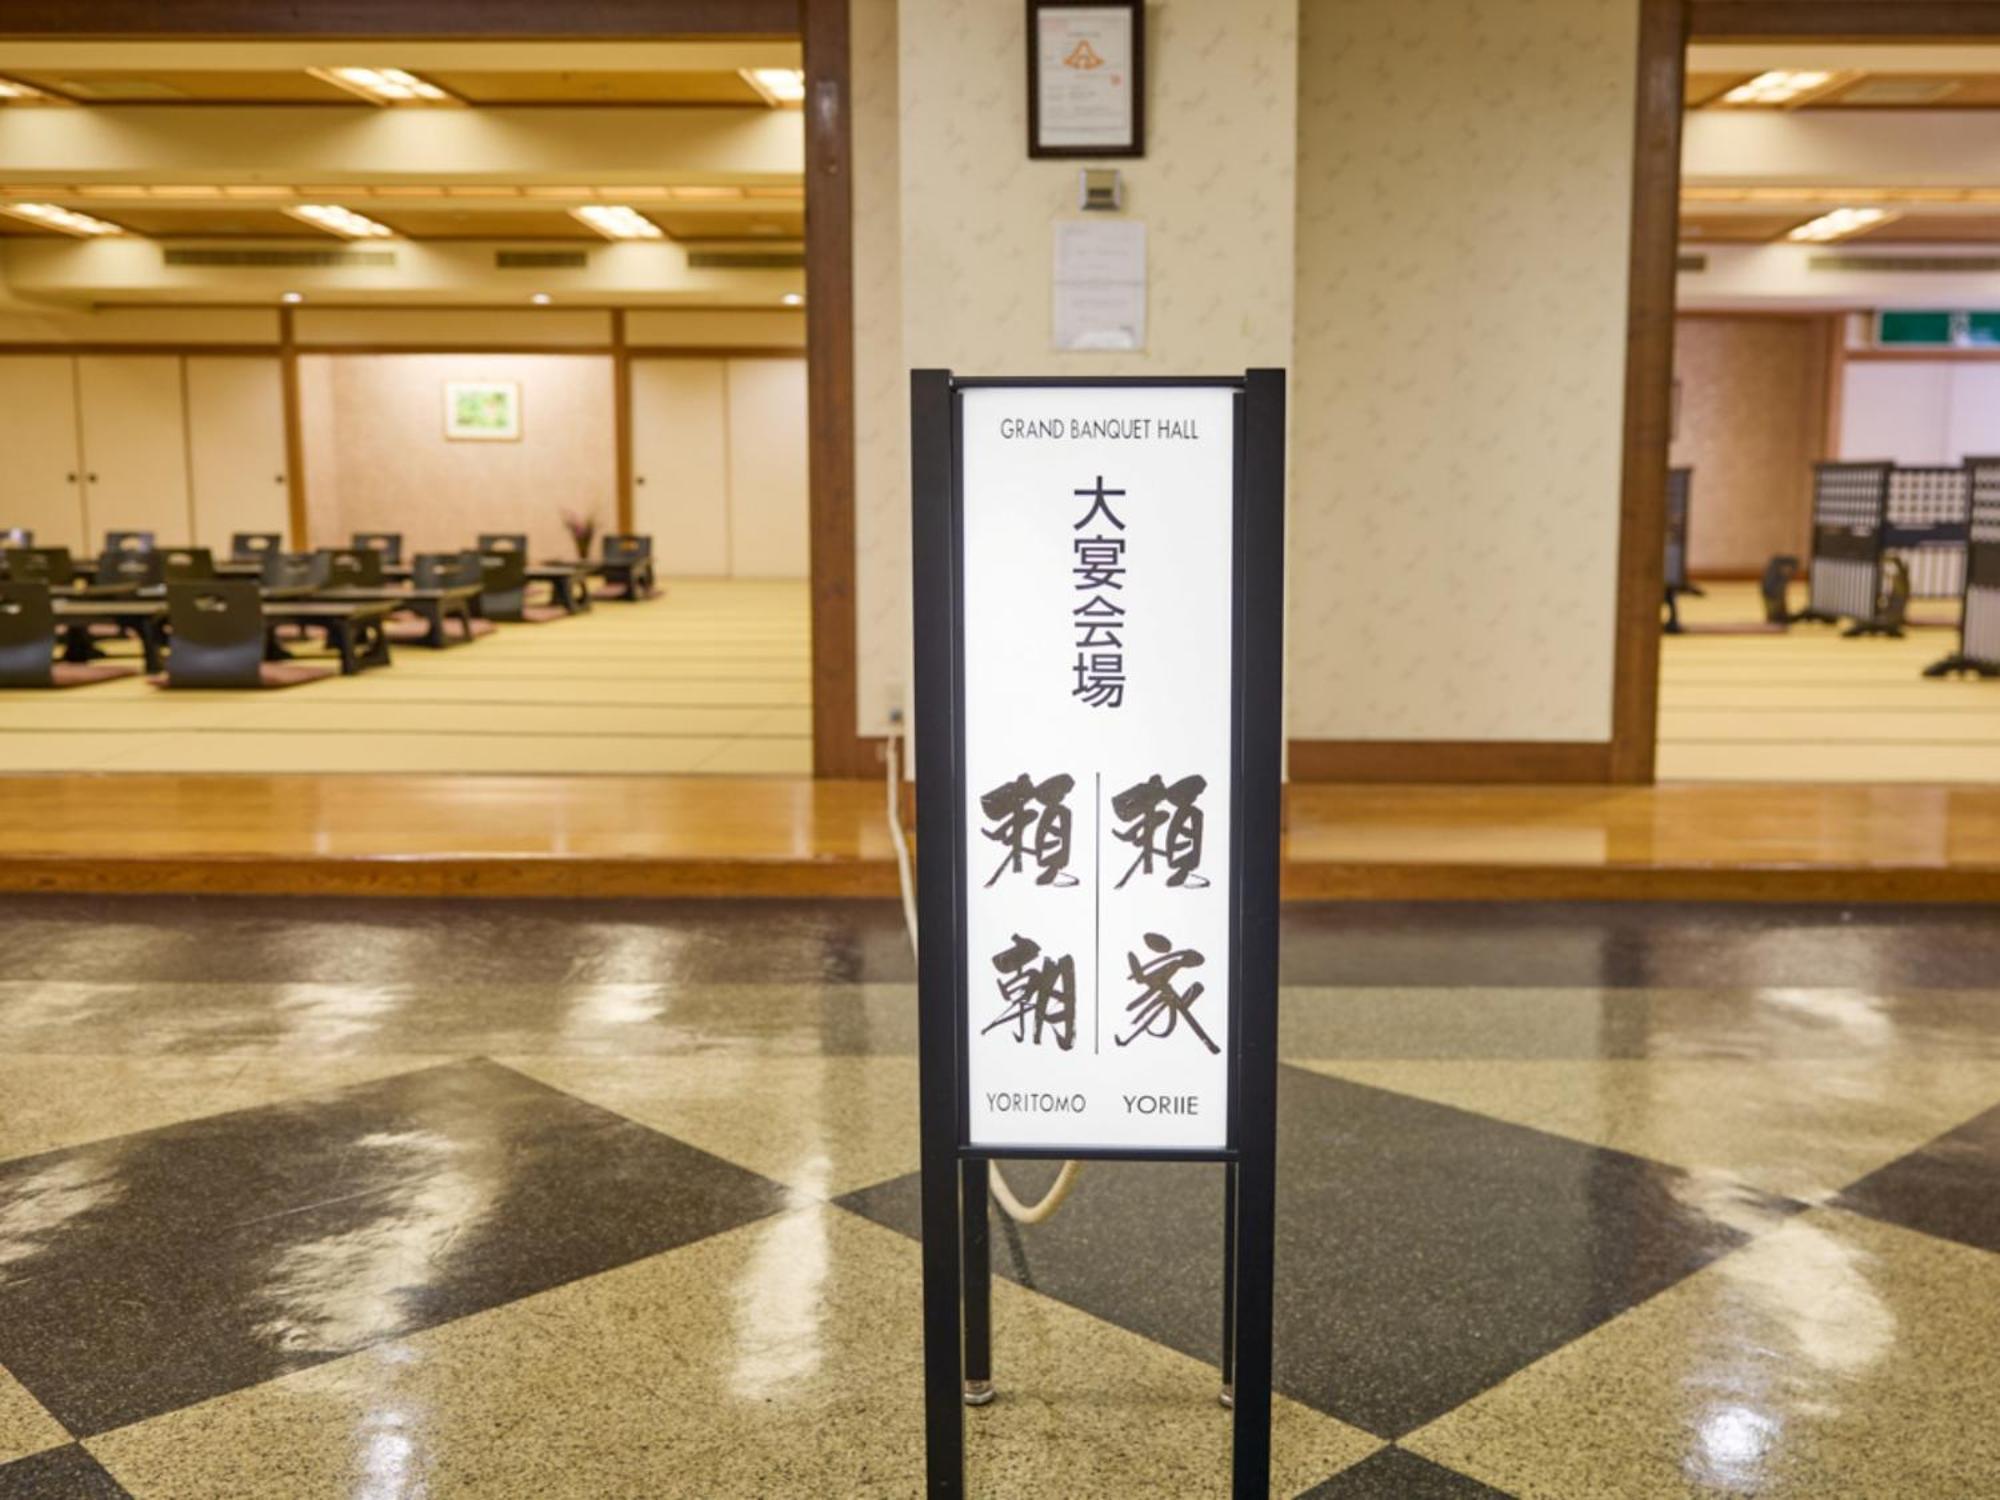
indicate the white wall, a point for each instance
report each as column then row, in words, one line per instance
column 1463, row 238
column 719, row 465
column 1919, row 411
column 188, row 447
column 954, row 230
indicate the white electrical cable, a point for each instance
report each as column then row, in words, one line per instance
column 1052, row 1200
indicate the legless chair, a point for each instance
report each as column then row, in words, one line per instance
column 388, row 543
column 252, row 546
column 219, row 639
column 28, row 644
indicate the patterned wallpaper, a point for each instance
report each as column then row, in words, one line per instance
column 1464, row 183
column 1752, row 493
column 881, row 379
column 972, row 269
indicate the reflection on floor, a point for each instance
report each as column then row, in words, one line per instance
column 712, row 676
column 615, row 1200
column 1808, row 705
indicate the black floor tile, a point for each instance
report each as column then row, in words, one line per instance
column 1424, row 1253
column 1949, row 1188
column 1395, row 1474
column 1657, row 944
column 247, row 939
column 155, row 1270
column 59, row 1474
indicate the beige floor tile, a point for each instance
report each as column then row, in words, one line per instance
column 52, row 1102
column 1833, row 1359
column 24, row 1427
column 781, row 1359
column 1804, row 1129
column 825, row 1126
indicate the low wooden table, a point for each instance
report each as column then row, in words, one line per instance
column 354, row 629
column 436, row 607
column 74, row 617
column 635, row 575
column 569, row 581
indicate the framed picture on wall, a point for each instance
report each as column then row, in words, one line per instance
column 482, row 411
column 1086, row 78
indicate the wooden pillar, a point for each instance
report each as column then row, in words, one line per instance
column 295, row 441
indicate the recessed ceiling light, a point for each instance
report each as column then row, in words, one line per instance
column 541, row 299
column 342, row 221
column 794, row 299
column 1779, row 86
column 68, row 220
column 1839, row 224
column 619, row 221
column 383, row 85
column 291, row 297
column 777, row 85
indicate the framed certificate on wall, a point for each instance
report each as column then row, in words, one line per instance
column 1086, row 78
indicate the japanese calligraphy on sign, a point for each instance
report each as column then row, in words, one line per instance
column 1099, row 587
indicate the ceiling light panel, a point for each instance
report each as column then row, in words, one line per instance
column 777, row 85
column 384, row 85
column 19, row 93
column 68, row 220
column 342, row 221
column 619, row 221
column 1778, row 87
column 1839, row 224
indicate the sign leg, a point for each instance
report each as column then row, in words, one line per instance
column 944, row 1417
column 1228, row 1396
column 1256, row 1204
column 978, row 1260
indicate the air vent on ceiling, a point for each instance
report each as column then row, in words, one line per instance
column 112, row 90
column 1691, row 263
column 1892, row 263
column 541, row 260
column 207, row 256
column 1900, row 90
column 746, row 260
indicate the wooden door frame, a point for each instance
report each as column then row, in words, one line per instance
column 822, row 27
column 1666, row 29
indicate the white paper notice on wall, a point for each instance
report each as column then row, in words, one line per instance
column 1099, row 571
column 1100, row 284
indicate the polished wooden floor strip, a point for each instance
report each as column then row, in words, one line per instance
column 584, row 836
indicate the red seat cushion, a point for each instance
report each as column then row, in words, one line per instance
column 281, row 674
column 273, row 674
column 66, row 674
column 542, row 614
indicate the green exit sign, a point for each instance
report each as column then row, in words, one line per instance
column 1938, row 330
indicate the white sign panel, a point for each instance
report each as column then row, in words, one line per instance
column 1084, row 74
column 1098, row 567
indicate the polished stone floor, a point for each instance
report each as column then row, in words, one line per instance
column 405, row 1200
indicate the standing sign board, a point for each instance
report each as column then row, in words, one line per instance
column 1099, row 602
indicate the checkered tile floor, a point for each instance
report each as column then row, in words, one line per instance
column 618, row 1201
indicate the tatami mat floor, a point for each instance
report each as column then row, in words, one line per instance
column 1808, row 705
column 712, row 676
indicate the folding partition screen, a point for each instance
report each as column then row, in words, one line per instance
column 1979, row 625
column 1850, row 503
column 1680, row 483
column 1926, row 528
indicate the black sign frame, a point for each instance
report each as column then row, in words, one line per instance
column 956, row 1269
